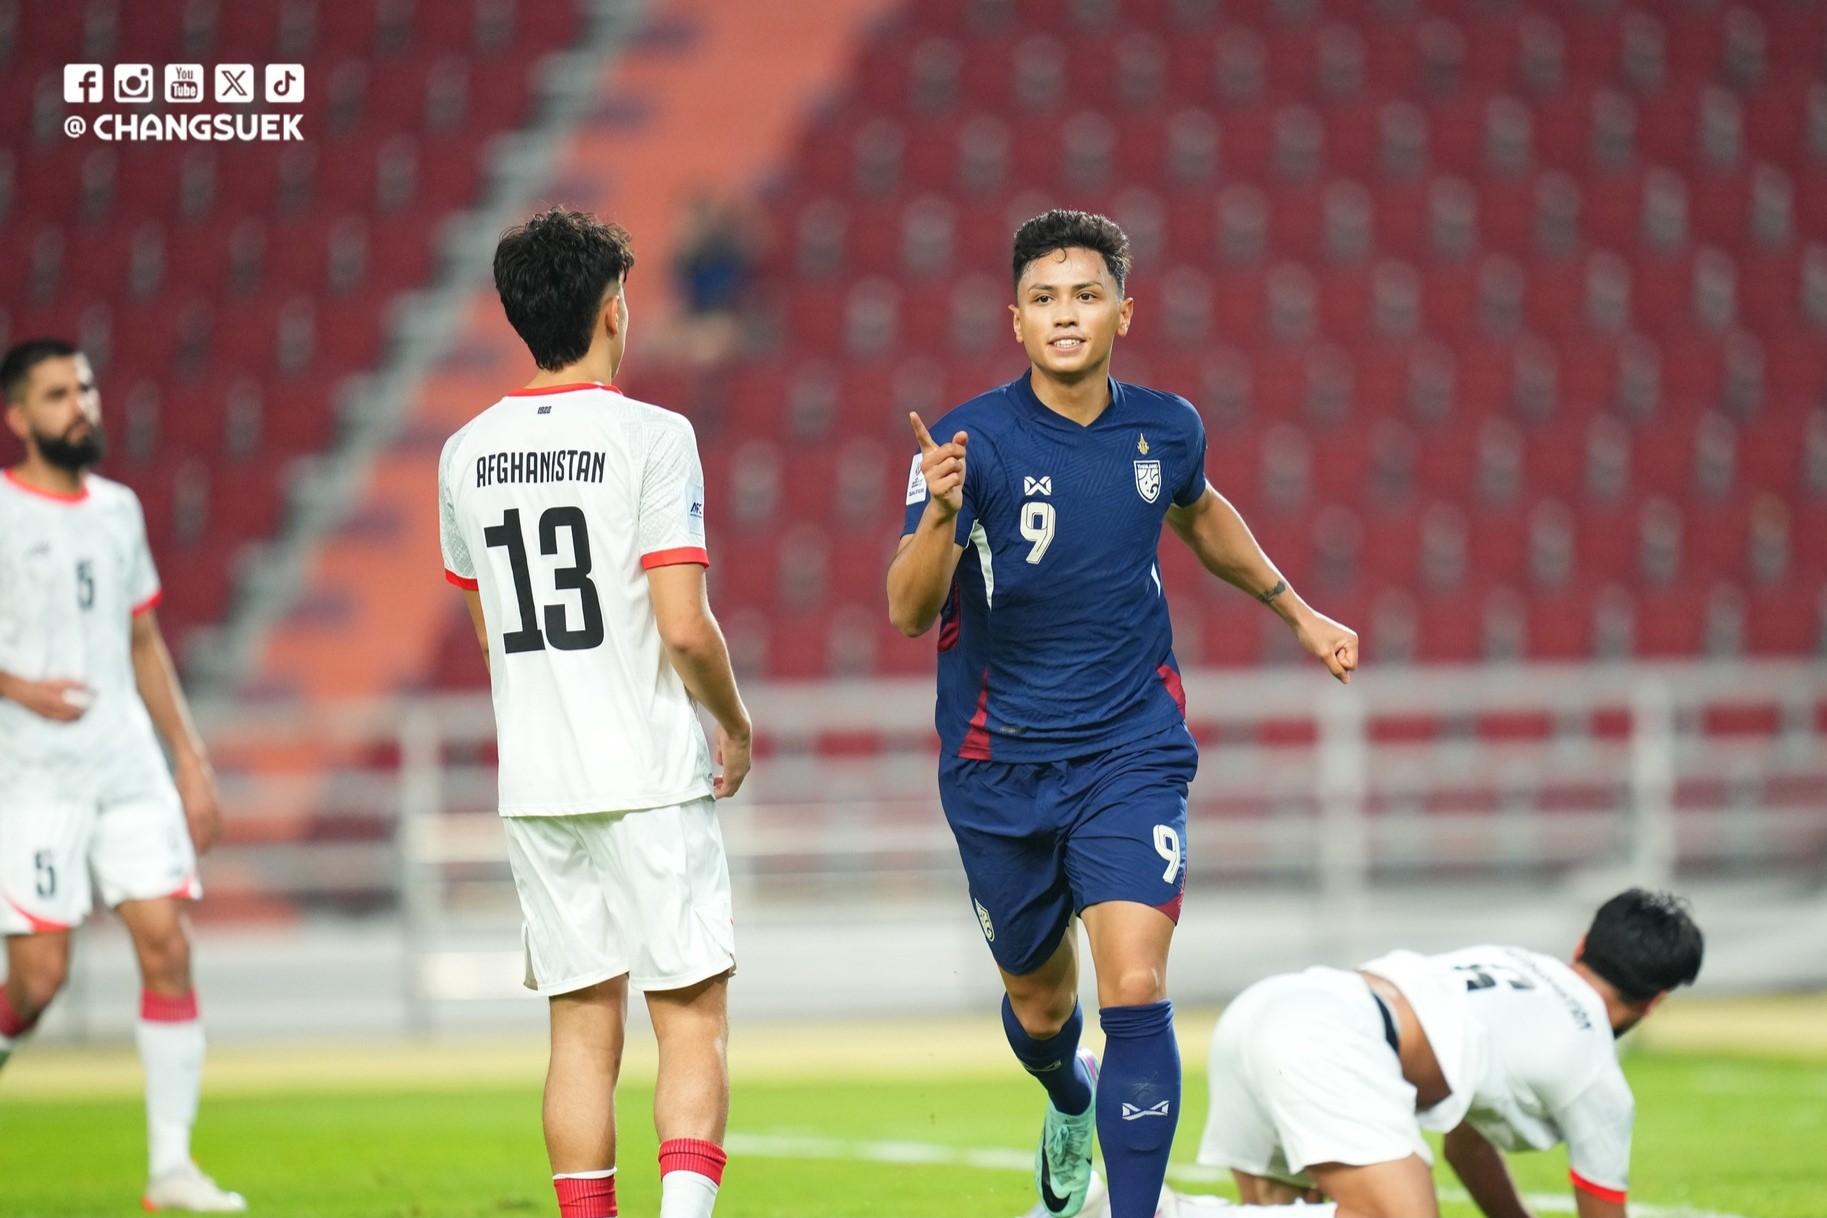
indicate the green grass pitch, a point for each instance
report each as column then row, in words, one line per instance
column 1716, row 1135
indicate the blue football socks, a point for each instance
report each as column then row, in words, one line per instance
column 1138, row 1104
column 1053, row 1061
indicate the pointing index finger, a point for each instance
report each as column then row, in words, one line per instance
column 920, row 433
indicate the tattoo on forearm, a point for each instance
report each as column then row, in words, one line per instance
column 1268, row 598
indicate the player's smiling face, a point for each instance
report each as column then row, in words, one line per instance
column 1068, row 312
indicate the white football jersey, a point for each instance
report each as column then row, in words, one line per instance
column 74, row 572
column 555, row 503
column 1528, row 1049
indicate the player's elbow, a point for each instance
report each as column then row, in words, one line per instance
column 910, row 620
column 908, row 626
column 688, row 632
column 1461, row 1146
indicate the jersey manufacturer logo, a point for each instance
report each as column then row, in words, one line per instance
column 1148, row 480
column 983, row 916
column 1142, row 444
column 1037, row 486
column 916, row 483
column 1133, row 1113
column 546, row 409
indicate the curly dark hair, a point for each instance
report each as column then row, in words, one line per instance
column 1644, row 943
column 552, row 274
column 1063, row 229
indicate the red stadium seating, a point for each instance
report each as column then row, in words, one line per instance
column 1564, row 265
column 269, row 266
column 1690, row 243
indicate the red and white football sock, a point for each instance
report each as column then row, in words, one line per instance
column 585, row 1194
column 170, row 1040
column 13, row 1025
column 691, row 1171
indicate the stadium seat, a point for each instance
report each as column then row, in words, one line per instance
column 196, row 272
column 1505, row 321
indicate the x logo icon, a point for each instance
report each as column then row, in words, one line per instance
column 234, row 82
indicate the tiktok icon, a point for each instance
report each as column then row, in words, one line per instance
column 285, row 83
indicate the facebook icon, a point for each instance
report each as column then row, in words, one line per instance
column 82, row 82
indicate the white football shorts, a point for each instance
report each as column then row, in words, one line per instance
column 643, row 893
column 1301, row 1074
column 61, row 844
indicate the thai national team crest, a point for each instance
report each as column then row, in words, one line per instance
column 1148, row 480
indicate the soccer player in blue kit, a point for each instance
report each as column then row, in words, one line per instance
column 1065, row 753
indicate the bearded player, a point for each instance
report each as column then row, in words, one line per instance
column 1065, row 753
column 86, row 800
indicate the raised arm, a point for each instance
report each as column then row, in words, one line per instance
column 1481, row 1168
column 157, row 680
column 920, row 577
column 1216, row 533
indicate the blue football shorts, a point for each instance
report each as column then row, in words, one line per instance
column 1042, row 840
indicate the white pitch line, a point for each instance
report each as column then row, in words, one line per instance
column 933, row 1154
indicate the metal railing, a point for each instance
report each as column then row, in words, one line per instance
column 1474, row 779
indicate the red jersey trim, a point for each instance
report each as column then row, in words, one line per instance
column 545, row 389
column 952, row 620
column 976, row 745
column 53, row 496
column 1613, row 1195
column 674, row 557
column 150, row 603
column 468, row 585
column 1175, row 689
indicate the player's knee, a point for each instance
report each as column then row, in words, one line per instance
column 1042, row 1012
column 39, row 983
column 1041, row 1025
column 1132, row 986
column 708, row 1034
column 165, row 960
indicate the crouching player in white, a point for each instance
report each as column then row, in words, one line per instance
column 1322, row 1081
column 573, row 518
column 85, row 796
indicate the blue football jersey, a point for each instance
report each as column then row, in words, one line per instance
column 1055, row 640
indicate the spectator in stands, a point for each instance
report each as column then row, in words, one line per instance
column 712, row 270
